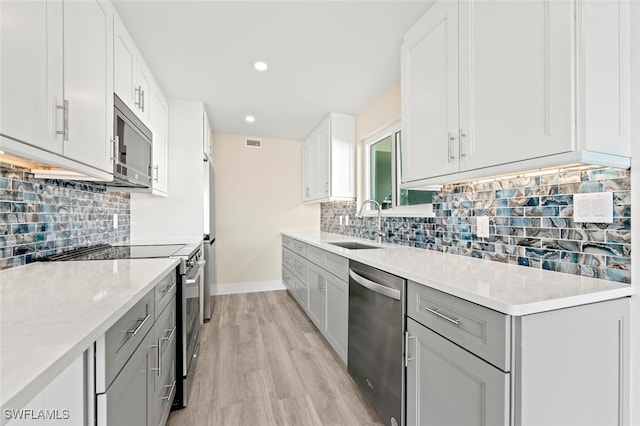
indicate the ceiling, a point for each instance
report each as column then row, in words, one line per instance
column 323, row 56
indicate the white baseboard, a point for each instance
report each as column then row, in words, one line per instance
column 249, row 287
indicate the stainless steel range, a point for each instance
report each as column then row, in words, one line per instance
column 191, row 272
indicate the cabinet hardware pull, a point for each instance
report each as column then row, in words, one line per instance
column 138, row 102
column 142, row 99
column 169, row 289
column 157, row 174
column 158, row 347
column 450, row 139
column 435, row 311
column 406, row 348
column 65, row 120
column 172, row 386
column 142, row 323
column 463, row 135
column 114, row 147
column 171, row 334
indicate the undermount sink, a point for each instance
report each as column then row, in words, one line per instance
column 353, row 245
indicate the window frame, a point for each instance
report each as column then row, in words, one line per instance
column 419, row 210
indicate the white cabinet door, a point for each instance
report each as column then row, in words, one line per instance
column 159, row 117
column 144, row 89
column 206, row 143
column 516, row 90
column 447, row 385
column 133, row 81
column 315, row 285
column 31, row 72
column 309, row 168
column 337, row 315
column 323, row 158
column 328, row 160
column 88, row 83
column 430, row 94
column 125, row 55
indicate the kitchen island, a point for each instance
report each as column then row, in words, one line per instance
column 51, row 312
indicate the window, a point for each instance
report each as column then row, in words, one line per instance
column 382, row 176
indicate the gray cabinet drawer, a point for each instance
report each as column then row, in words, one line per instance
column 287, row 242
column 165, row 358
column 295, row 245
column 287, row 258
column 300, row 267
column 165, row 290
column 296, row 263
column 288, row 279
column 301, row 293
column 122, row 339
column 336, row 264
column 166, row 328
column 480, row 330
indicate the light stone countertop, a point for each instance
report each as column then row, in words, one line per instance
column 51, row 312
column 510, row 289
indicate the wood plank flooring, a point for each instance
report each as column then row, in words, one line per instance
column 263, row 362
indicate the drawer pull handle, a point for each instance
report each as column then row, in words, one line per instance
column 172, row 386
column 137, row 329
column 407, row 358
column 171, row 335
column 434, row 311
column 158, row 348
column 169, row 289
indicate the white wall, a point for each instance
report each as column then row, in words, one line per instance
column 258, row 195
column 180, row 216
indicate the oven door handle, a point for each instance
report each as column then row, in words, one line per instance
column 373, row 286
column 194, row 277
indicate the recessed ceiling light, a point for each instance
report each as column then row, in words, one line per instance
column 260, row 66
column 249, row 119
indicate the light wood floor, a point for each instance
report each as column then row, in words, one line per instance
column 262, row 362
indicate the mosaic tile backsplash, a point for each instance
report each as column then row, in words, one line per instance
column 531, row 223
column 43, row 217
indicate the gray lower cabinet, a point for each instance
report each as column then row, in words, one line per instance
column 164, row 375
column 319, row 280
column 135, row 365
column 316, row 288
column 446, row 385
column 470, row 365
column 128, row 398
column 337, row 321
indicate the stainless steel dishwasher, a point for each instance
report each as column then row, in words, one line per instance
column 375, row 350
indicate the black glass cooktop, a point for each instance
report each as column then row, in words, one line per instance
column 108, row 252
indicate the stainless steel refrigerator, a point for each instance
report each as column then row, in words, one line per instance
column 209, row 239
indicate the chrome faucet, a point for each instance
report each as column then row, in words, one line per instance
column 377, row 232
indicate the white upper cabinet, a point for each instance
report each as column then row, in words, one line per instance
column 88, row 83
column 159, row 121
column 31, row 72
column 498, row 87
column 328, row 160
column 56, row 80
column 133, row 82
column 206, row 143
column 430, row 93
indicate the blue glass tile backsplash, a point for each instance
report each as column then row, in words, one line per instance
column 42, row 217
column 531, row 223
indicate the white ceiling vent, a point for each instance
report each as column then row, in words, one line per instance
column 253, row 143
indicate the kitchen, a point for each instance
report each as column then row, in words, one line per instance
column 257, row 198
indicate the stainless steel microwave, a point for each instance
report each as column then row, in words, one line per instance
column 133, row 148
